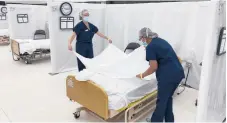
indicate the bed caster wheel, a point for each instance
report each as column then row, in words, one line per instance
column 27, row 62
column 76, row 114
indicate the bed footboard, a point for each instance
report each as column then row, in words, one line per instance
column 89, row 95
column 15, row 47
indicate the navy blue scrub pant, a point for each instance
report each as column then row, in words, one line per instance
column 164, row 104
column 86, row 50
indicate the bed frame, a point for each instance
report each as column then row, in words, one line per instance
column 4, row 40
column 95, row 100
column 28, row 58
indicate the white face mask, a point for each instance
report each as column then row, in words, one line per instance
column 86, row 18
column 145, row 44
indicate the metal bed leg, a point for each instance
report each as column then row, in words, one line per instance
column 196, row 102
column 224, row 120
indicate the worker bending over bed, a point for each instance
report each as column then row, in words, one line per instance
column 84, row 32
column 169, row 73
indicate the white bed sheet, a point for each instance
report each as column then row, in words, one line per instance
column 121, row 92
column 128, row 67
column 109, row 56
column 122, row 65
column 117, row 76
column 30, row 45
column 4, row 32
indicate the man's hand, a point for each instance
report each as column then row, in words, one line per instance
column 70, row 47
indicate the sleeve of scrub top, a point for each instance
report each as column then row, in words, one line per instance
column 95, row 29
column 150, row 53
column 76, row 29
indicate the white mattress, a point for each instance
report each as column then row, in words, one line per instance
column 4, row 32
column 115, row 72
column 121, row 92
column 29, row 45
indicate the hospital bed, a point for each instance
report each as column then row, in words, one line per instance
column 96, row 100
column 30, row 49
column 107, row 96
column 110, row 98
column 4, row 36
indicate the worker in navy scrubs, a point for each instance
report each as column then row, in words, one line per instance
column 84, row 32
column 169, row 73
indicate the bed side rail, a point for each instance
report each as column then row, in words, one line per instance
column 89, row 95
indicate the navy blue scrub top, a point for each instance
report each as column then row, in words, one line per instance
column 84, row 35
column 169, row 67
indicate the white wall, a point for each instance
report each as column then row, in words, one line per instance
column 4, row 23
column 37, row 16
column 61, row 58
column 115, row 24
column 212, row 90
column 183, row 25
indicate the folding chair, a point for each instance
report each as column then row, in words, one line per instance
column 132, row 46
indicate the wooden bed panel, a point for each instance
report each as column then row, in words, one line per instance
column 89, row 95
column 15, row 47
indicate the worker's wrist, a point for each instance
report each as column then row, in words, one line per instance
column 107, row 38
column 141, row 75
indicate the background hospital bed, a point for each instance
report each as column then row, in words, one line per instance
column 4, row 36
column 95, row 100
column 38, row 53
column 27, row 57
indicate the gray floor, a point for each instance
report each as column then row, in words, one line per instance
column 28, row 93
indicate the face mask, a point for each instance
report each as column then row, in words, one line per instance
column 86, row 18
column 144, row 44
